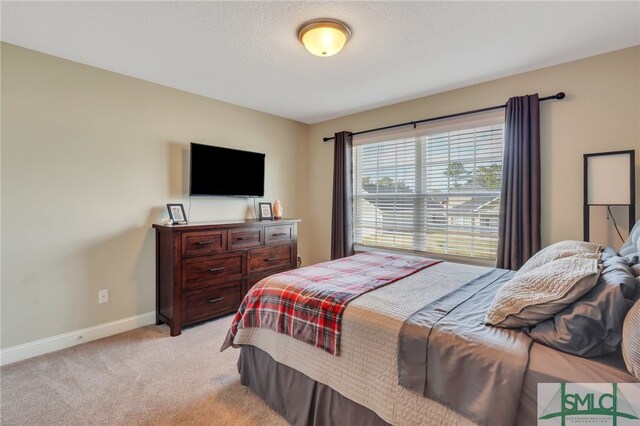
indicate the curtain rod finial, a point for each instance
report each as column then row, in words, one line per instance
column 560, row 95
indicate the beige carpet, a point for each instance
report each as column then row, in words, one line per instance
column 139, row 377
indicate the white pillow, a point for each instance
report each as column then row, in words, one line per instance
column 561, row 250
column 539, row 294
column 631, row 340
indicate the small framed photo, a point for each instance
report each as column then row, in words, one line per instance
column 176, row 213
column 266, row 213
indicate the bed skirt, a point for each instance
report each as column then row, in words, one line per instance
column 298, row 398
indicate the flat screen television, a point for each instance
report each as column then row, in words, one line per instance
column 217, row 171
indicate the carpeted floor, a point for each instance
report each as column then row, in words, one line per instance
column 135, row 378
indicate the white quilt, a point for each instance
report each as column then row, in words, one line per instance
column 366, row 369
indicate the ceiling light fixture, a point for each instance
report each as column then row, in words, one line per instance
column 324, row 37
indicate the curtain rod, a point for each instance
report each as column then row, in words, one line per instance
column 559, row 95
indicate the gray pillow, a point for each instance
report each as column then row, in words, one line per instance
column 608, row 252
column 630, row 246
column 631, row 341
column 592, row 326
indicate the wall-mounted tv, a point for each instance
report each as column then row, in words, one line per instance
column 217, row 171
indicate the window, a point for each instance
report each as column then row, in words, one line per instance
column 436, row 192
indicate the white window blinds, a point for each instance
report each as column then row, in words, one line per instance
column 435, row 192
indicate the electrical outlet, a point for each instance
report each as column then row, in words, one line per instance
column 103, row 296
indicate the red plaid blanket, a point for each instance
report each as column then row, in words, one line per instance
column 307, row 303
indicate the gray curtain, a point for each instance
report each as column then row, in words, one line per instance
column 342, row 210
column 519, row 227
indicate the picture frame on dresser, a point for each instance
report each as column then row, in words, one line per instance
column 265, row 211
column 177, row 213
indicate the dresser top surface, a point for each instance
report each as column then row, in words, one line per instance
column 225, row 224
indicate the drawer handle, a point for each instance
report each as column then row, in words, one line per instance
column 202, row 243
column 217, row 299
column 245, row 238
column 271, row 259
column 279, row 234
column 217, row 269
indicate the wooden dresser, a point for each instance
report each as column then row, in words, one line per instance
column 203, row 270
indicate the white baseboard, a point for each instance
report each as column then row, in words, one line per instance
column 66, row 340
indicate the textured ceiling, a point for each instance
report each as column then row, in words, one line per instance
column 247, row 53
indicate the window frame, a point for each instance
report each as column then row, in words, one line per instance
column 434, row 128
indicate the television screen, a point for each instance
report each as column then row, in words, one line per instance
column 224, row 171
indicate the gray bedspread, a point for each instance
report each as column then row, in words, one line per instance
column 447, row 353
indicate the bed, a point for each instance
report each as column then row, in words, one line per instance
column 361, row 385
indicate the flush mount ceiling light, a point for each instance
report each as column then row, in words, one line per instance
column 324, row 37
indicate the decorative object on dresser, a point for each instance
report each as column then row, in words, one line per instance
column 203, row 270
column 177, row 214
column 278, row 211
column 266, row 213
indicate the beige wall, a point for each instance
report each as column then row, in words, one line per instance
column 601, row 113
column 89, row 160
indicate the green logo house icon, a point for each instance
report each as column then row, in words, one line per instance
column 610, row 406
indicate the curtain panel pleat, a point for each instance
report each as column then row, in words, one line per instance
column 342, row 207
column 519, row 227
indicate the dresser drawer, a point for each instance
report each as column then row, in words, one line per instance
column 211, row 301
column 200, row 243
column 278, row 234
column 269, row 258
column 245, row 238
column 205, row 270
